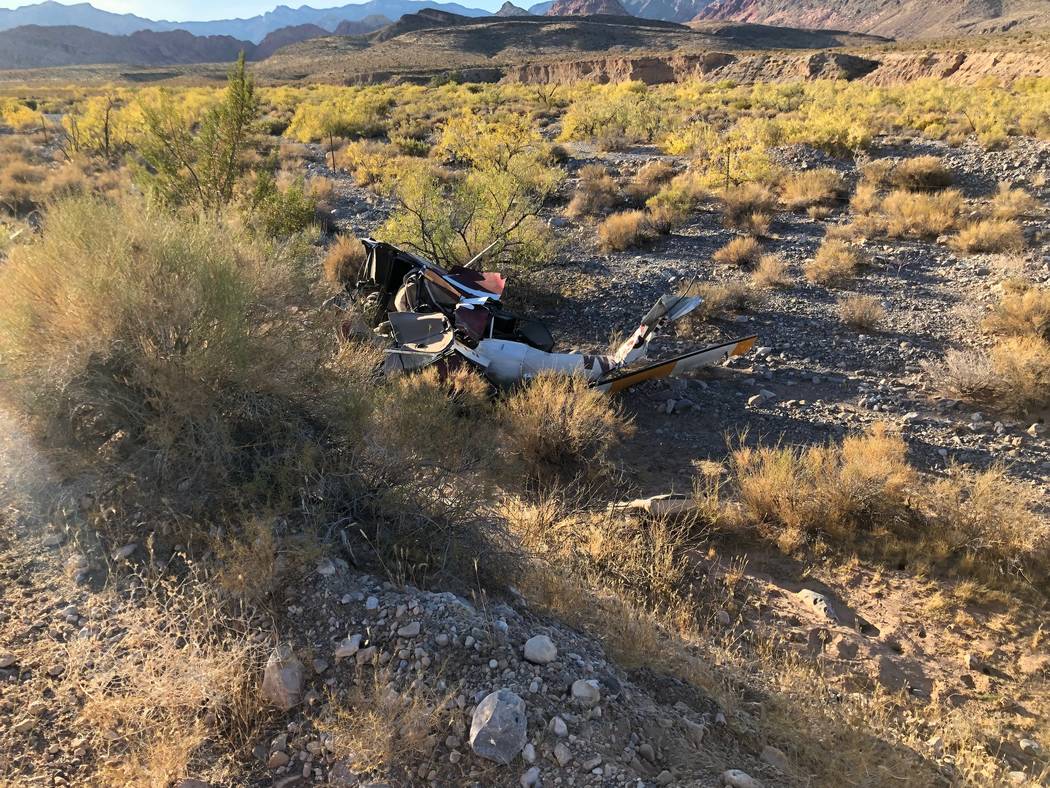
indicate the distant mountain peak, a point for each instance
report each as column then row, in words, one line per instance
column 587, row 8
column 509, row 9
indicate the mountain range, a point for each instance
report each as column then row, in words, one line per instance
column 254, row 29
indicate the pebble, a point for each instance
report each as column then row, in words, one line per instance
column 371, row 603
column 531, row 778
column 775, row 758
column 559, row 728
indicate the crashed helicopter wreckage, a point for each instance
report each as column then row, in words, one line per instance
column 455, row 318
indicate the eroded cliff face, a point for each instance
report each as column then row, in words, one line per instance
column 881, row 69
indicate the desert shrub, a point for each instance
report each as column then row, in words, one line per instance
column 743, row 251
column 921, row 215
column 811, row 188
column 199, row 161
column 280, row 210
column 861, row 312
column 740, row 204
column 21, row 186
column 596, row 193
column 560, row 424
column 835, row 262
column 989, row 236
column 923, row 173
column 343, row 260
column 672, row 204
column 719, row 300
column 624, row 230
column 830, row 490
column 1010, row 203
column 452, row 219
column 991, row 519
column 181, row 676
column 368, row 161
column 1013, row 376
column 649, row 180
column 142, row 332
column 384, row 732
column 877, row 172
column 771, row 272
column 1022, row 311
column 865, row 199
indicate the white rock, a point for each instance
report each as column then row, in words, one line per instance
column 123, row 553
column 734, row 778
column 562, row 754
column 409, row 630
column 326, row 567
column 586, row 693
column 528, row 753
column 7, row 659
column 283, row 678
column 559, row 728
column 348, row 647
column 531, row 778
column 371, row 603
column 498, row 727
column 540, row 650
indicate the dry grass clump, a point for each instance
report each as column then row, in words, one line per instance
column 624, row 230
column 743, row 205
column 741, row 252
column 865, row 200
column 835, row 262
column 989, row 518
column 1022, row 311
column 722, row 297
column 862, row 312
column 384, row 732
column 1010, row 203
column 21, row 186
column 649, row 180
column 323, row 191
column 812, row 188
column 990, row 236
column 877, row 172
column 1013, row 376
column 343, row 260
column 771, row 272
column 558, row 424
column 832, row 490
column 923, row 173
column 178, row 676
column 173, row 335
column 596, row 193
column 907, row 214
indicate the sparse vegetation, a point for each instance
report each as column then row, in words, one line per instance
column 861, row 312
column 623, row 231
column 743, row 205
column 834, row 263
column 1023, row 310
column 922, row 173
column 343, row 260
column 906, row 214
column 597, row 192
column 811, row 188
column 989, row 236
column 771, row 272
column 741, row 252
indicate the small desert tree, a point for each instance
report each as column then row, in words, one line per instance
column 199, row 164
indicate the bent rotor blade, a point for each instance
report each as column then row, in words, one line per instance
column 675, row 367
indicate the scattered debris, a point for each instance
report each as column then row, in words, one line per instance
column 455, row 318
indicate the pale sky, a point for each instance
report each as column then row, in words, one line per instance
column 199, row 10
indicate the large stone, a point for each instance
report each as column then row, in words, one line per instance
column 586, row 692
column 540, row 650
column 734, row 778
column 283, row 678
column 498, row 727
